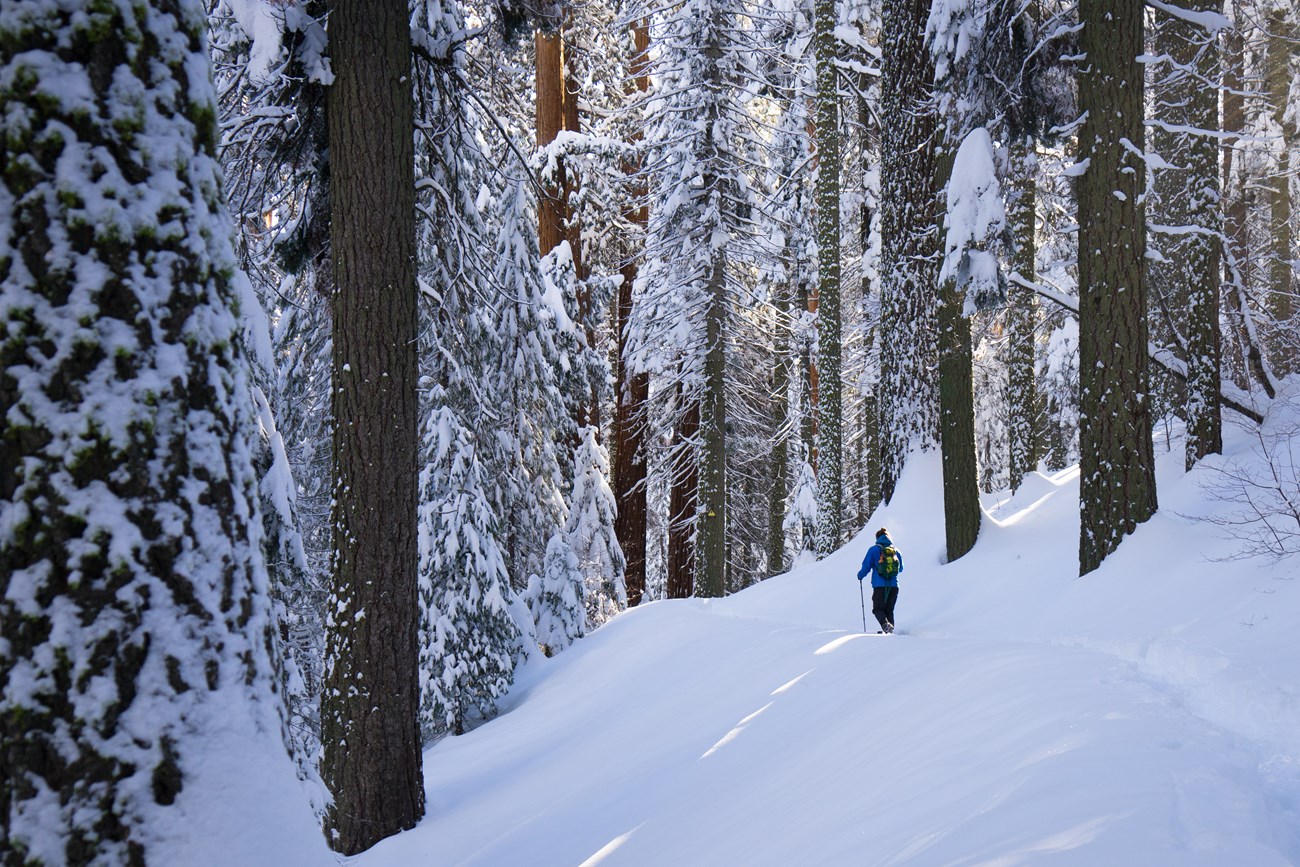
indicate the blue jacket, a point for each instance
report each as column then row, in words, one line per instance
column 873, row 558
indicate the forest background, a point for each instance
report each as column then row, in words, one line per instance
column 552, row 310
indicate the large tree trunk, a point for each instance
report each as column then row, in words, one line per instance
column 961, row 501
column 961, row 495
column 1117, row 468
column 1022, row 397
column 633, row 390
column 909, row 266
column 371, row 697
column 830, row 421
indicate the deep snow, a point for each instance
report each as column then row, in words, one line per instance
column 1145, row 714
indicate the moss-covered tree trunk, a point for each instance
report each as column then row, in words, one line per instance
column 372, row 749
column 133, row 601
column 1117, row 468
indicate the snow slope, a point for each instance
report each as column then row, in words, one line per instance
column 1143, row 715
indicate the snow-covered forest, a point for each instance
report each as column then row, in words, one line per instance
column 391, row 391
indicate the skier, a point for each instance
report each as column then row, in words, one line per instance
column 884, row 562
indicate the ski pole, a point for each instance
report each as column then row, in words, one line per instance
column 862, row 594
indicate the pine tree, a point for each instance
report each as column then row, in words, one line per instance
column 683, row 315
column 589, row 532
column 135, row 610
column 469, row 637
column 1117, row 472
column 372, row 645
column 270, row 73
column 534, row 337
column 556, row 598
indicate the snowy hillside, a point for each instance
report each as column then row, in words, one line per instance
column 1146, row 714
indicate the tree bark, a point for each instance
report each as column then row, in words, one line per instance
column 1022, row 397
column 1282, row 50
column 830, row 420
column 779, row 461
column 961, row 501
column 372, row 749
column 550, row 120
column 684, row 471
column 135, row 623
column 909, row 264
column 1117, row 470
column 633, row 388
column 711, row 521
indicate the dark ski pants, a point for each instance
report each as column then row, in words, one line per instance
column 882, row 606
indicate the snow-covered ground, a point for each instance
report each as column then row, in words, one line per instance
column 1147, row 714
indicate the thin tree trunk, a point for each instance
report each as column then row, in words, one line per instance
column 779, row 462
column 711, row 521
column 633, row 391
column 1282, row 50
column 372, row 749
column 684, row 470
column 1117, row 471
column 1022, row 397
column 1236, row 241
column 830, row 421
column 1200, row 259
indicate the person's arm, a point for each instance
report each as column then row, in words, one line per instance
column 900, row 562
column 868, row 562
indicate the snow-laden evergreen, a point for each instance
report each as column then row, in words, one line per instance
column 270, row 74
column 138, row 635
column 468, row 634
column 556, row 598
column 536, row 340
column 976, row 218
column 589, row 531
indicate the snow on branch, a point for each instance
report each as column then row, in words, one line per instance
column 1212, row 22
